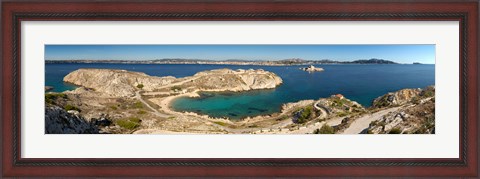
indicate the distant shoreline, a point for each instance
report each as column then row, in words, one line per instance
column 288, row 62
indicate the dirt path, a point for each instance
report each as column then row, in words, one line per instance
column 180, row 82
column 139, row 97
column 362, row 123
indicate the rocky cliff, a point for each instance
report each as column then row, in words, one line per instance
column 239, row 80
column 122, row 83
column 59, row 121
column 396, row 98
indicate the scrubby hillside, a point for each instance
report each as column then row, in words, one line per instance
column 416, row 116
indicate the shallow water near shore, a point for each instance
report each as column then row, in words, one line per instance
column 361, row 83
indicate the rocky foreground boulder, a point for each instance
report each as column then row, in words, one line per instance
column 59, row 121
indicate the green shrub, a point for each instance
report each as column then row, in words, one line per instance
column 135, row 119
column 305, row 115
column 343, row 114
column 138, row 104
column 51, row 97
column 141, row 112
column 130, row 123
column 140, row 86
column 69, row 107
column 114, row 107
column 176, row 88
column 428, row 94
column 325, row 129
column 415, row 100
column 382, row 124
column 339, row 102
column 395, row 131
column 282, row 118
column 220, row 123
column 127, row 124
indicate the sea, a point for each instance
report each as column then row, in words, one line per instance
column 358, row 82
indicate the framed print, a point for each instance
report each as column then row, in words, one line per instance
column 243, row 89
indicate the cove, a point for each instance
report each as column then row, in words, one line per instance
column 358, row 82
column 361, row 83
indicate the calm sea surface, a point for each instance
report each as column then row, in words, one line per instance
column 361, row 83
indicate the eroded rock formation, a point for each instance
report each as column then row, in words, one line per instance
column 122, row 83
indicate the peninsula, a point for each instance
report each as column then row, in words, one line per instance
column 120, row 101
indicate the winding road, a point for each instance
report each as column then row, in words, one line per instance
column 138, row 96
column 363, row 122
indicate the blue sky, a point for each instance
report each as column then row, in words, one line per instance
column 397, row 53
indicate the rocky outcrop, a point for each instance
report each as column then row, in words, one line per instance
column 48, row 88
column 411, row 119
column 396, row 98
column 239, row 80
column 335, row 105
column 115, row 83
column 122, row 83
column 416, row 116
column 59, row 121
column 312, row 68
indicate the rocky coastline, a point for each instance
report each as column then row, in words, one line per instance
column 120, row 101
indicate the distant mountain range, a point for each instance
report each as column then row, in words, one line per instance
column 293, row 61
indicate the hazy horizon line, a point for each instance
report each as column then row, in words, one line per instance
column 240, row 59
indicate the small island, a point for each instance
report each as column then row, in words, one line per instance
column 312, row 68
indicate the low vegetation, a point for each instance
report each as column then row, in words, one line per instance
column 304, row 115
column 129, row 123
column 339, row 102
column 138, row 104
column 176, row 88
column 140, row 86
column 427, row 126
column 69, row 107
column 51, row 97
column 343, row 114
column 281, row 118
column 220, row 123
column 325, row 129
column 395, row 131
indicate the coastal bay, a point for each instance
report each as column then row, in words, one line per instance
column 240, row 89
column 219, row 105
column 359, row 82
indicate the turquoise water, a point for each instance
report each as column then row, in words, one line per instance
column 361, row 83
